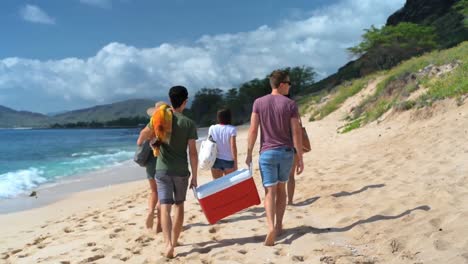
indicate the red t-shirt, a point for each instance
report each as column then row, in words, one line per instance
column 275, row 113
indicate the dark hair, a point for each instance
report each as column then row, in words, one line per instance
column 224, row 116
column 178, row 94
column 277, row 77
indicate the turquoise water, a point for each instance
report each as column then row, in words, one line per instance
column 31, row 157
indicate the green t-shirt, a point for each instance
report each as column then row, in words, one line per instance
column 172, row 159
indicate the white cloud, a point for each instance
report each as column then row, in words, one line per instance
column 98, row 3
column 35, row 14
column 120, row 71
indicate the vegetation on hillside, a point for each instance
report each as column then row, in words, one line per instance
column 446, row 20
column 424, row 72
column 385, row 47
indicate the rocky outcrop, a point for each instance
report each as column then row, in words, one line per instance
column 419, row 11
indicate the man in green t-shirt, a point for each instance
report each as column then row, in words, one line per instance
column 172, row 173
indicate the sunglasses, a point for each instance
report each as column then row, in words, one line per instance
column 288, row 82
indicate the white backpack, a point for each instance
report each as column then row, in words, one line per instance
column 207, row 154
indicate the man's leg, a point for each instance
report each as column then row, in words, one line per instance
column 166, row 225
column 165, row 186
column 292, row 183
column 285, row 166
column 280, row 206
column 178, row 222
column 270, row 209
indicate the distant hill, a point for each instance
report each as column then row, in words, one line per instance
column 103, row 113
column 449, row 18
column 10, row 118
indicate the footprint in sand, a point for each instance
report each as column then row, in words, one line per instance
column 39, row 240
column 395, row 246
column 435, row 222
column 280, row 252
column 120, row 257
column 68, row 230
column 117, row 230
column 242, row 251
column 297, row 258
column 213, row 230
column 91, row 244
column 144, row 239
column 91, row 259
column 327, row 260
column 441, row 245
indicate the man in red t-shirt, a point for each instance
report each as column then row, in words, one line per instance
column 278, row 119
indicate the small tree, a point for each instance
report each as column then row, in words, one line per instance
column 385, row 47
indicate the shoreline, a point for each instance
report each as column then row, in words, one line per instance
column 55, row 191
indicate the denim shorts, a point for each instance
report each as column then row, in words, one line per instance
column 275, row 165
column 221, row 164
column 171, row 189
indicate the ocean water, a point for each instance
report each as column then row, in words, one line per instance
column 31, row 157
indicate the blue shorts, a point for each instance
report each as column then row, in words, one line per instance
column 171, row 189
column 275, row 165
column 221, row 164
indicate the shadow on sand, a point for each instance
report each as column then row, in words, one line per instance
column 291, row 234
column 343, row 193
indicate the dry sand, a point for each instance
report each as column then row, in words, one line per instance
column 393, row 192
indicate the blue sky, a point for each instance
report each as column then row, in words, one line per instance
column 64, row 55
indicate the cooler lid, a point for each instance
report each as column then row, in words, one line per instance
column 222, row 183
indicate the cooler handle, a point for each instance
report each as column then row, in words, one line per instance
column 194, row 189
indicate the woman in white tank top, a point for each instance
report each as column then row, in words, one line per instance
column 224, row 134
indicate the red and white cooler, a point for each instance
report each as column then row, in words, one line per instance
column 227, row 195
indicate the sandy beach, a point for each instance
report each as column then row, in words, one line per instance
column 394, row 191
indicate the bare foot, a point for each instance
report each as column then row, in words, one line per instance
column 149, row 220
column 169, row 252
column 270, row 239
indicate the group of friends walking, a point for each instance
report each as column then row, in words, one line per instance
column 169, row 176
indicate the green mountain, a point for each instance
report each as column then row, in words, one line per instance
column 108, row 112
column 133, row 108
column 12, row 118
column 448, row 19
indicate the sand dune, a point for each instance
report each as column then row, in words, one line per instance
column 393, row 192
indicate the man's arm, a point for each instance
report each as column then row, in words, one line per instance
column 297, row 140
column 145, row 134
column 252, row 136
column 193, row 161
